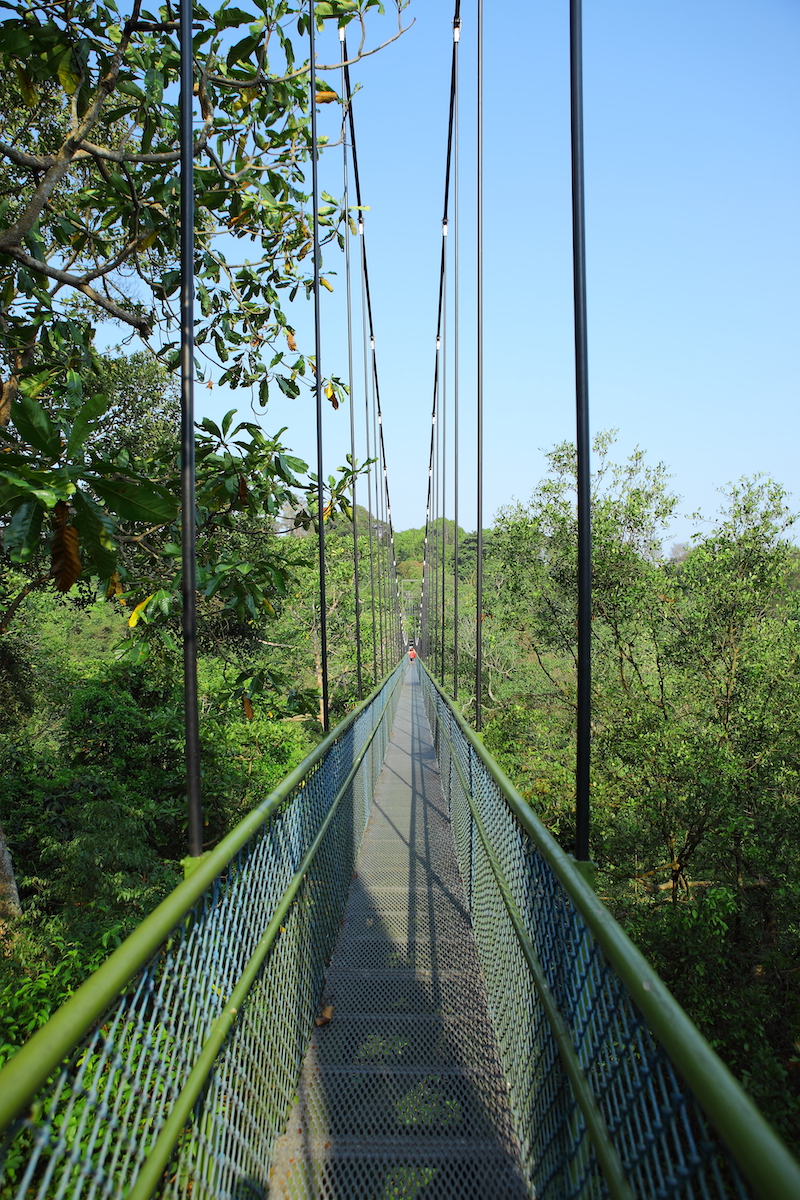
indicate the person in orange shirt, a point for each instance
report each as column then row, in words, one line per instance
column 412, row 654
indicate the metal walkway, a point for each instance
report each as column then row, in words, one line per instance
column 402, row 1093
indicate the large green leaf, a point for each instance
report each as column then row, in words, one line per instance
column 35, row 426
column 23, row 534
column 49, row 487
column 96, row 531
column 94, row 407
column 135, row 500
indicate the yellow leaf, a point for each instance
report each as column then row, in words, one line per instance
column 329, row 390
column 325, row 283
column 291, row 343
column 147, row 242
column 133, row 619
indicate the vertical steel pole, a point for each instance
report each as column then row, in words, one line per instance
column 479, row 572
column 188, row 520
column 583, row 757
column 323, row 602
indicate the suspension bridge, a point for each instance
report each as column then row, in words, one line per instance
column 388, row 980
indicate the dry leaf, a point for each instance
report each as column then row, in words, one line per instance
column 326, row 1017
column 65, row 561
column 248, row 708
column 115, row 588
column 291, row 343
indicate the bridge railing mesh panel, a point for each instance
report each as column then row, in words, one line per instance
column 103, row 1116
column 663, row 1141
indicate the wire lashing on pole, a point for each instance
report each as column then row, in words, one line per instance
column 323, row 603
column 188, row 518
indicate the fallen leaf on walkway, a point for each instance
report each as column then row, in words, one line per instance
column 326, row 1017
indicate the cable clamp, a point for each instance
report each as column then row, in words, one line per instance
column 438, row 342
column 444, row 227
column 341, row 33
column 361, row 226
column 457, row 30
column 372, row 342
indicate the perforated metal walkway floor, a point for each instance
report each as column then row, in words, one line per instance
column 402, row 1094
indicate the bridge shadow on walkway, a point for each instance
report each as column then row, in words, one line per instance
column 402, row 1094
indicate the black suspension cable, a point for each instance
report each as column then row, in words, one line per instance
column 391, row 575
column 479, row 571
column 188, row 517
column 456, row 39
column 584, row 713
column 437, row 531
column 348, row 286
column 369, row 452
column 425, row 599
column 444, row 465
column 323, row 603
column 379, row 517
column 433, row 525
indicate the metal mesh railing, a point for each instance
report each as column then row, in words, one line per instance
column 599, row 1106
column 181, row 1079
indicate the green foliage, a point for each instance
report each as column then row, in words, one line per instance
column 92, row 793
column 696, row 730
column 88, row 135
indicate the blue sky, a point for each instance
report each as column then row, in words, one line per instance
column 692, row 184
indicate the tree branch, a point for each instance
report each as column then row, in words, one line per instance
column 140, row 324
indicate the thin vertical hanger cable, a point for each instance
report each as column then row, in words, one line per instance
column 323, row 603
column 381, row 505
column 456, row 39
column 391, row 557
column 370, row 519
column 584, row 707
column 444, row 469
column 437, row 522
column 426, row 582
column 366, row 290
column 430, row 564
column 348, row 288
column 188, row 506
column 366, row 318
column 479, row 339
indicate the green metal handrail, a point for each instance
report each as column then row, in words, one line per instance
column 24, row 1076
column 758, row 1151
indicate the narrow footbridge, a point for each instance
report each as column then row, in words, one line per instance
column 387, row 981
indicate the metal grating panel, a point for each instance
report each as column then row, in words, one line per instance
column 402, row 1094
column 90, row 1132
column 666, row 1145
